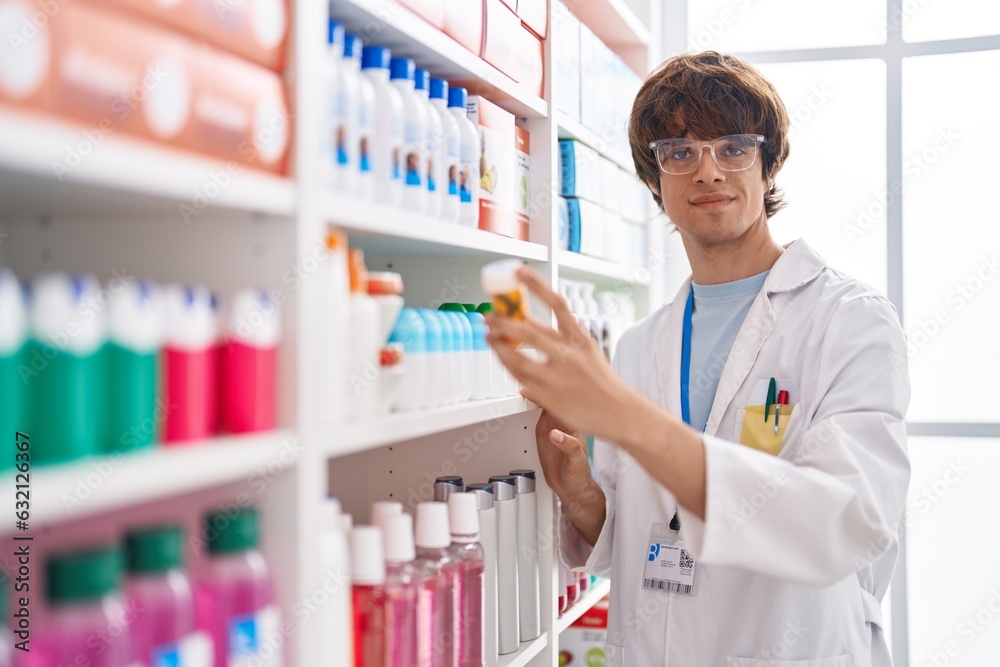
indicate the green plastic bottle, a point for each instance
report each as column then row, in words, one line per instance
column 136, row 329
column 13, row 329
column 63, row 367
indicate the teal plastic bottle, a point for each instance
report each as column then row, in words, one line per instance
column 63, row 367
column 136, row 329
column 13, row 329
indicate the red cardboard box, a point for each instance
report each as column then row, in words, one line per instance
column 531, row 63
column 522, row 182
column 27, row 56
column 431, row 11
column 502, row 38
column 535, row 15
column 464, row 21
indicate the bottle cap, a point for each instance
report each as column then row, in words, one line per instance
column 254, row 319
column 504, row 487
column 357, row 272
column 83, row 576
column 445, row 486
column 410, row 331
column 334, row 33
column 421, row 77
column 384, row 282
column 228, row 534
column 524, row 480
column 375, row 57
column 367, row 556
column 452, row 306
column 190, row 317
column 346, row 523
column 484, row 308
column 54, row 305
column 439, row 89
column 483, row 493
column 500, row 277
column 154, row 550
column 352, row 46
column 432, row 526
column 13, row 315
column 457, row 98
column 136, row 317
column 382, row 510
column 398, row 531
column 463, row 513
column 402, row 68
column 330, row 511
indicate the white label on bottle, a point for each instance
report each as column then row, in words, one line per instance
column 255, row 640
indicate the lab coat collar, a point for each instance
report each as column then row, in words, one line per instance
column 798, row 265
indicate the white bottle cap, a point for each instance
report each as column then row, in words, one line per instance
column 13, row 317
column 463, row 512
column 367, row 559
column 253, row 318
column 500, row 277
column 191, row 321
column 432, row 526
column 66, row 312
column 383, row 510
column 398, row 532
column 136, row 317
column 347, row 522
column 330, row 514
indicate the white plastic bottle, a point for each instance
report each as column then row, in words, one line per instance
column 488, row 540
column 363, row 372
column 463, row 340
column 401, row 73
column 451, row 350
column 507, row 595
column 468, row 172
column 463, row 518
column 481, row 363
column 387, row 133
column 437, row 361
column 434, row 147
column 335, row 615
column 411, row 332
column 451, row 147
column 527, row 554
column 342, row 130
column 364, row 106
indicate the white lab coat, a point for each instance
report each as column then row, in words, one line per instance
column 797, row 578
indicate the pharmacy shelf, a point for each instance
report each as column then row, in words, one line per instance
column 573, row 129
column 525, row 653
column 388, row 23
column 592, row 597
column 618, row 27
column 403, row 426
column 119, row 175
column 384, row 230
column 70, row 491
column 574, row 265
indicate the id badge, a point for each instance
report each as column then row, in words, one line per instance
column 669, row 566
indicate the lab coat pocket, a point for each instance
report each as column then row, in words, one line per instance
column 838, row 661
column 759, row 433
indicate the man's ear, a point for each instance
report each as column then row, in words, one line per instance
column 653, row 187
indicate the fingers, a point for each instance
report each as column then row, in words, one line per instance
column 539, row 336
column 564, row 442
column 533, row 281
column 525, row 370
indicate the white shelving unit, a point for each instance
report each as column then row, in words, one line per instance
column 120, row 208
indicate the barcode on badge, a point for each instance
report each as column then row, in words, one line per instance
column 686, row 560
column 669, row 586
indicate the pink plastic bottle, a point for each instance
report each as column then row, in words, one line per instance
column 470, row 609
column 436, row 603
column 235, row 598
column 368, row 596
column 89, row 624
column 248, row 363
column 402, row 589
column 164, row 633
column 191, row 382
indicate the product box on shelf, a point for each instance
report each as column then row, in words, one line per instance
column 531, row 63
column 502, row 39
column 591, row 79
column 592, row 223
column 432, row 11
column 522, row 180
column 582, row 644
column 535, row 15
column 562, row 218
column 115, row 74
column 497, row 165
column 579, row 170
column 464, row 22
column 255, row 30
column 566, row 60
column 27, row 62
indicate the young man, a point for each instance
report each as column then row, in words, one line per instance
column 754, row 425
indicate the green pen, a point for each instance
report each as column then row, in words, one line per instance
column 771, row 390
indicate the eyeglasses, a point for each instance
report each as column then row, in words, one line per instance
column 734, row 152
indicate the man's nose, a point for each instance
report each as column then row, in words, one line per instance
column 708, row 171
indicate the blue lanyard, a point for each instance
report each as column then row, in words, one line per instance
column 686, row 359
